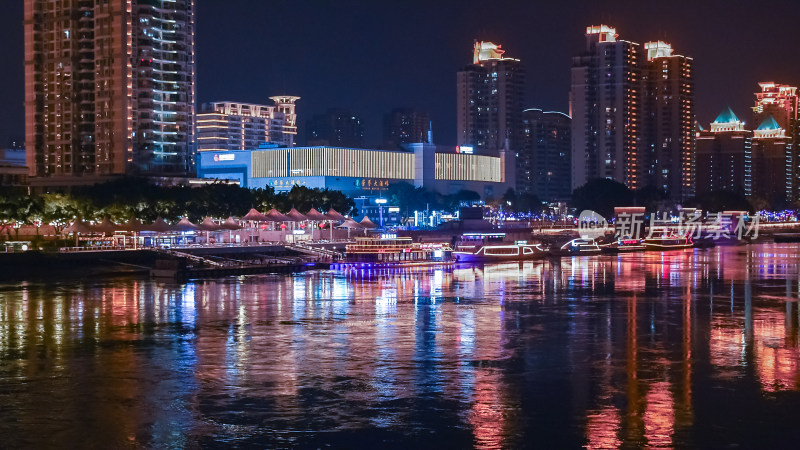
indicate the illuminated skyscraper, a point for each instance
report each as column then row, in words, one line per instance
column 605, row 108
column 225, row 126
column 668, row 116
column 724, row 156
column 776, row 100
column 776, row 113
column 543, row 163
column 773, row 164
column 109, row 88
column 490, row 99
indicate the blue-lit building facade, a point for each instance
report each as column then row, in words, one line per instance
column 357, row 171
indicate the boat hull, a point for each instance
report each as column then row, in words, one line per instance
column 500, row 253
column 659, row 247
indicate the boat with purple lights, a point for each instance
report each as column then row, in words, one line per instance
column 391, row 249
column 491, row 247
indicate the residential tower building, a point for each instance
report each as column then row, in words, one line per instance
column 490, row 98
column 224, row 126
column 406, row 126
column 667, row 154
column 605, row 106
column 544, row 160
column 336, row 128
column 109, row 88
column 724, row 156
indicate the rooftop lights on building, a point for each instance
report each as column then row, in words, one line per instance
column 607, row 33
column 485, row 51
column 657, row 49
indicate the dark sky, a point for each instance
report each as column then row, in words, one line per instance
column 371, row 56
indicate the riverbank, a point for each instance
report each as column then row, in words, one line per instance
column 189, row 262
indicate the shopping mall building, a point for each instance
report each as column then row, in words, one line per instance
column 361, row 172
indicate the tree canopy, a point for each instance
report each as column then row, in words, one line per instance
column 602, row 196
column 718, row 201
column 127, row 198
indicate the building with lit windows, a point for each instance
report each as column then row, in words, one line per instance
column 780, row 103
column 605, row 100
column 544, row 160
column 667, row 122
column 12, row 167
column 777, row 100
column 335, row 128
column 724, row 156
column 773, row 164
column 109, row 88
column 225, row 126
column 490, row 98
column 358, row 171
column 406, row 126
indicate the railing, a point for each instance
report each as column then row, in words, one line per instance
column 334, row 255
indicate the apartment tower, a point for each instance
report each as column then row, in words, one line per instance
column 668, row 117
column 605, row 101
column 226, row 126
column 109, row 88
column 490, row 99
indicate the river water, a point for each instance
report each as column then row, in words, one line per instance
column 688, row 348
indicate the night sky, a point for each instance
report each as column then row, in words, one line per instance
column 371, row 56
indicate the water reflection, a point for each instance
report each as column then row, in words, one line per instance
column 673, row 349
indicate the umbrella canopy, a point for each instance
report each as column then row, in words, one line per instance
column 106, row 226
column 132, row 225
column 334, row 215
column 159, row 226
column 350, row 223
column 313, row 214
column 274, row 216
column 366, row 223
column 208, row 225
column 79, row 226
column 230, row 224
column 184, row 225
column 296, row 216
column 255, row 216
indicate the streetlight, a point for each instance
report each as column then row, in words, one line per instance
column 381, row 202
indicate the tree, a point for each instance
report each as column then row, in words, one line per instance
column 14, row 208
column 521, row 203
column 59, row 209
column 650, row 197
column 718, row 201
column 602, row 196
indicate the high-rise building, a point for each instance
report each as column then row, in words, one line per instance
column 490, row 98
column 406, row 126
column 336, row 128
column 724, row 156
column 605, row 108
column 780, row 102
column 777, row 100
column 773, row 164
column 226, row 126
column 109, row 87
column 544, row 160
column 667, row 122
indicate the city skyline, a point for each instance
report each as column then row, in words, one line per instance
column 329, row 64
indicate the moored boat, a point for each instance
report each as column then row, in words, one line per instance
column 577, row 246
column 498, row 252
column 488, row 247
column 390, row 249
column 624, row 246
column 663, row 243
